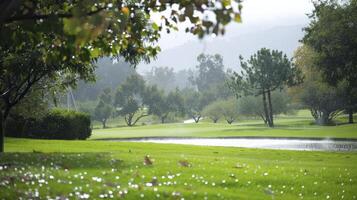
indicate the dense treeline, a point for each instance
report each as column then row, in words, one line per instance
column 207, row 95
column 270, row 84
column 212, row 92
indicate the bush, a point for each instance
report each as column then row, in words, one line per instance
column 57, row 124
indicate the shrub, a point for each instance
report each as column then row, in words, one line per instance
column 56, row 124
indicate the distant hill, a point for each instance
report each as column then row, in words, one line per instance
column 284, row 38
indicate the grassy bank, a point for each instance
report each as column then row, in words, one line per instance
column 116, row 169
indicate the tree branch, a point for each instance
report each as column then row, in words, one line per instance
column 39, row 16
column 141, row 116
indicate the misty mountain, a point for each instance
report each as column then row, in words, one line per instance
column 284, row 38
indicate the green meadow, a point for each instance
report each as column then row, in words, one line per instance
column 42, row 169
column 92, row 169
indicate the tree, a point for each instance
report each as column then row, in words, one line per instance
column 253, row 105
column 97, row 12
column 22, row 68
column 332, row 34
column 162, row 77
column 176, row 101
column 210, row 72
column 37, row 102
column 182, row 78
column 34, row 106
column 129, row 100
column 324, row 101
column 194, row 104
column 213, row 111
column 210, row 79
column 157, row 103
column 104, row 108
column 163, row 105
column 222, row 108
column 265, row 72
column 229, row 110
column 108, row 74
column 69, row 36
column 87, row 107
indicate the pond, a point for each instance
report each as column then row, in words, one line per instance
column 260, row 143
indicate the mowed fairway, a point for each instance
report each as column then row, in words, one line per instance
column 60, row 169
column 284, row 128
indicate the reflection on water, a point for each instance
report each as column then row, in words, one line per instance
column 287, row 144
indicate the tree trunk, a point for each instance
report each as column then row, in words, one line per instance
column 266, row 109
column 229, row 121
column 265, row 121
column 128, row 120
column 2, row 134
column 314, row 114
column 137, row 119
column 324, row 120
column 350, row 116
column 23, row 130
column 270, row 110
column 197, row 119
column 104, row 122
column 3, row 116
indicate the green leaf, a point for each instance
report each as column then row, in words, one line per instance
column 155, row 26
column 226, row 3
column 189, row 10
column 95, row 53
column 237, row 18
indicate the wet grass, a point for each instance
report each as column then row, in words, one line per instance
column 42, row 169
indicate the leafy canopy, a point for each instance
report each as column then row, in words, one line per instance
column 332, row 34
column 267, row 70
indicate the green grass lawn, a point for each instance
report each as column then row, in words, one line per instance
column 299, row 125
column 96, row 169
column 48, row 169
column 285, row 127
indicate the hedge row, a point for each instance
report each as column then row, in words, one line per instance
column 57, row 124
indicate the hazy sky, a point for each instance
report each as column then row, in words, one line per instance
column 257, row 11
column 256, row 14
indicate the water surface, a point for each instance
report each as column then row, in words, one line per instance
column 261, row 143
